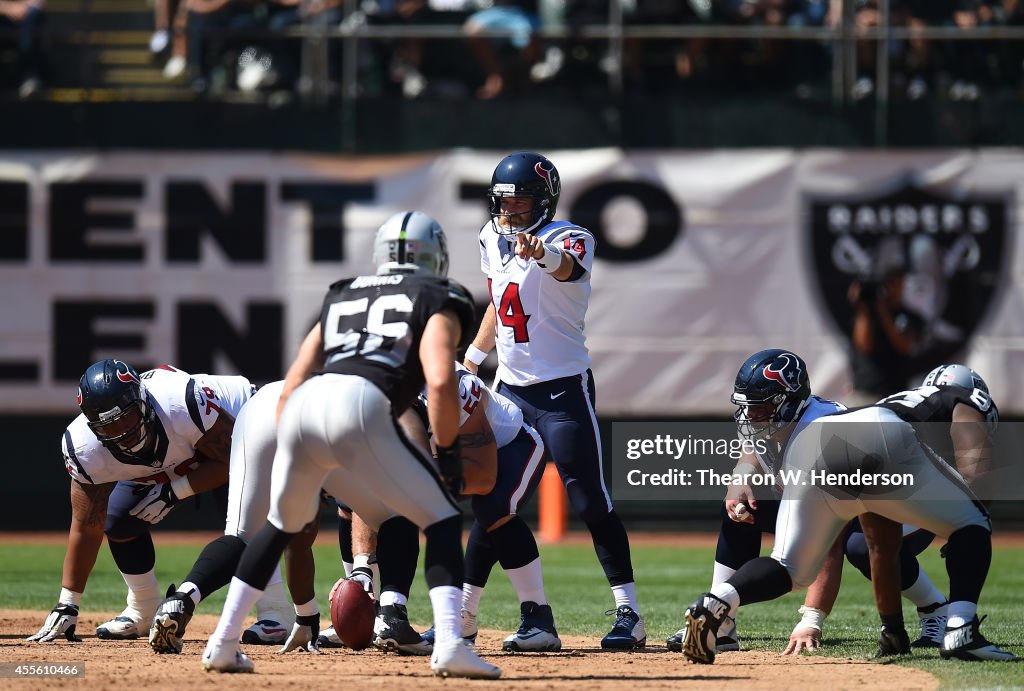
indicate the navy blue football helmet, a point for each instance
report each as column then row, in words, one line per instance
column 119, row 410
column 772, row 389
column 524, row 174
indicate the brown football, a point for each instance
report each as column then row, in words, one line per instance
column 352, row 614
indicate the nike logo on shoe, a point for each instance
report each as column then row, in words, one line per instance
column 556, row 395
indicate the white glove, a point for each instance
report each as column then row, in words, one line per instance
column 61, row 621
column 304, row 635
column 153, row 507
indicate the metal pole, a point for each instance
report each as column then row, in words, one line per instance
column 350, row 76
column 882, row 75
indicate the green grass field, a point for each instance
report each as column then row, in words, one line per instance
column 668, row 579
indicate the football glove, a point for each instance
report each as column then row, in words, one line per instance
column 61, row 621
column 449, row 462
column 304, row 635
column 153, row 507
column 893, row 640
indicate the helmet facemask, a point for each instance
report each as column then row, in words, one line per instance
column 526, row 221
column 128, row 430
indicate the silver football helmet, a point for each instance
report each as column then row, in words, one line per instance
column 955, row 375
column 411, row 242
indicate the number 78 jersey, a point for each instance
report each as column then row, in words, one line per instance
column 539, row 320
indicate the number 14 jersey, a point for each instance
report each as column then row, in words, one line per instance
column 539, row 320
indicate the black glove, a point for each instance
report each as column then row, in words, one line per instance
column 893, row 640
column 61, row 621
column 449, row 462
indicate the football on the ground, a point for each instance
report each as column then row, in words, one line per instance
column 352, row 614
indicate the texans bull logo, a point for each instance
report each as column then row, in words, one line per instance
column 550, row 176
column 785, row 369
column 937, row 258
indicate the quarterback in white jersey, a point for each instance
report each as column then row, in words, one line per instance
column 540, row 336
column 538, row 276
column 141, row 445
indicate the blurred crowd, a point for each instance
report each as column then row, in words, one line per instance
column 249, row 45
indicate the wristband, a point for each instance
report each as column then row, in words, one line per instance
column 182, row 488
column 551, row 260
column 475, row 355
column 69, row 597
column 812, row 618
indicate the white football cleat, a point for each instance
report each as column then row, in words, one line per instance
column 225, row 657
column 458, row 659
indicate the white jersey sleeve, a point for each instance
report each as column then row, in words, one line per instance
column 539, row 320
column 186, row 407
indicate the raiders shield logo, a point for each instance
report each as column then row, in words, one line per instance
column 907, row 276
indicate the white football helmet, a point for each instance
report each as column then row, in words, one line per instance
column 411, row 242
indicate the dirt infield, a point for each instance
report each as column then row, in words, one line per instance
column 581, row 665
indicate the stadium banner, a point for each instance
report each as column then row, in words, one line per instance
column 217, row 262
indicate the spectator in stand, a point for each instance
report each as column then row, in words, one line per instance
column 206, row 21
column 27, row 16
column 505, row 61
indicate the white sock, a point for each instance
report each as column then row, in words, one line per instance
column 143, row 593
column 471, row 595
column 446, row 600
column 528, row 581
column 241, row 598
column 192, row 590
column 721, row 574
column 961, row 612
column 307, row 609
column 393, row 597
column 724, row 591
column 923, row 592
column 275, row 604
column 625, row 595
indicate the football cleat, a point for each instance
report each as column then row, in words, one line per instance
column 933, row 627
column 726, row 642
column 458, row 659
column 119, row 628
column 265, row 632
column 328, row 638
column 966, row 643
column 392, row 632
column 627, row 633
column 700, row 635
column 225, row 657
column 172, row 616
column 536, row 632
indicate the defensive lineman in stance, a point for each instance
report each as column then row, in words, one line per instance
column 538, row 273
column 379, row 339
column 871, row 440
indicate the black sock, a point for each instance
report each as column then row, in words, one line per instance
column 398, row 549
column 345, row 539
column 968, row 556
column 761, row 579
column 262, row 555
column 481, row 556
column 216, row 564
column 612, row 546
column 134, row 556
column 443, row 559
column 515, row 544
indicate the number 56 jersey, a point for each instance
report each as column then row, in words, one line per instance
column 539, row 320
column 372, row 326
